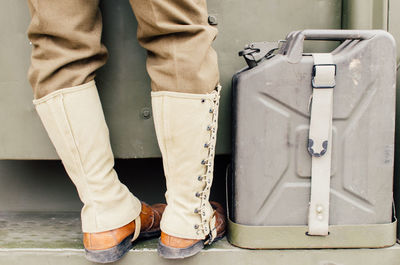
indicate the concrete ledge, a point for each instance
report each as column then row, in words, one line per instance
column 55, row 238
column 222, row 253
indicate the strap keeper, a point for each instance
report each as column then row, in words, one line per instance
column 318, row 81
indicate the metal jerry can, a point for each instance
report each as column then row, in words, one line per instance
column 313, row 143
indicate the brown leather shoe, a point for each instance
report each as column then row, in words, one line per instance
column 109, row 246
column 171, row 247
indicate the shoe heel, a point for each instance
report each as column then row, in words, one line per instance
column 111, row 254
column 178, row 253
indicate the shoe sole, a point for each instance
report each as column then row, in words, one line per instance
column 117, row 252
column 167, row 252
column 111, row 254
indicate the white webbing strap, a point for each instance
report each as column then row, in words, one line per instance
column 320, row 142
column 138, row 225
column 213, row 230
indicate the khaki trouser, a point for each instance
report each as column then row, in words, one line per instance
column 67, row 50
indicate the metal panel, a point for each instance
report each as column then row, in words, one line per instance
column 366, row 14
column 394, row 23
column 394, row 28
column 123, row 82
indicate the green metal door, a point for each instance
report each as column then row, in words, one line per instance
column 123, row 83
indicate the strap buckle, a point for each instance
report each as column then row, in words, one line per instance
column 324, row 82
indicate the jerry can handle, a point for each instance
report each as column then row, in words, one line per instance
column 317, row 34
column 295, row 40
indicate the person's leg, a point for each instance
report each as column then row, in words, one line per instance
column 67, row 50
column 178, row 39
column 66, row 44
column 185, row 96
